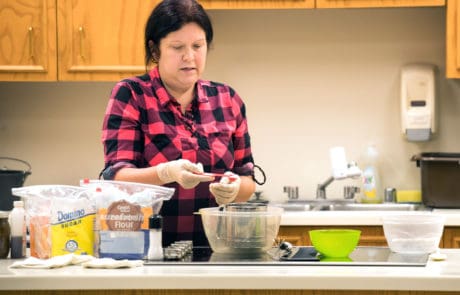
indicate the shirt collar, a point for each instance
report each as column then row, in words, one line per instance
column 164, row 97
column 201, row 93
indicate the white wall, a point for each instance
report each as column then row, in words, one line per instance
column 311, row 79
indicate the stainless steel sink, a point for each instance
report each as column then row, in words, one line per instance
column 377, row 207
column 347, row 205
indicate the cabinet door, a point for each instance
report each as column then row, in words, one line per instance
column 451, row 237
column 101, row 40
column 453, row 40
column 376, row 3
column 257, row 4
column 28, row 40
column 298, row 235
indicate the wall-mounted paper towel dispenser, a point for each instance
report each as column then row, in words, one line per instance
column 418, row 101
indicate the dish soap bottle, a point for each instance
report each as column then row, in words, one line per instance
column 371, row 180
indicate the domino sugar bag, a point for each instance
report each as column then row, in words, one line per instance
column 60, row 219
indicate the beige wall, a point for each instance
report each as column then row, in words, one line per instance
column 311, row 79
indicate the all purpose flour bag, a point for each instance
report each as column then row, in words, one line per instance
column 123, row 211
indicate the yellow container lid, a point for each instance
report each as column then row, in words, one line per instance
column 408, row 196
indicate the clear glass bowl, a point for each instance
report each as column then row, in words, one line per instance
column 235, row 232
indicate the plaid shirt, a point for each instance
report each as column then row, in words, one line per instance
column 144, row 126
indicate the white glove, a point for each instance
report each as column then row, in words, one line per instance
column 225, row 191
column 183, row 172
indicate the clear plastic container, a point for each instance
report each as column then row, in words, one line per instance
column 413, row 234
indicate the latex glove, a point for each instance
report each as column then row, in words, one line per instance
column 225, row 191
column 183, row 172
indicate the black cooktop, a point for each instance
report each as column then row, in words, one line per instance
column 361, row 256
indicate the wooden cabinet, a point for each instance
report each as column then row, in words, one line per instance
column 257, row 4
column 28, row 40
column 451, row 237
column 377, row 3
column 49, row 40
column 298, row 235
column 370, row 235
column 287, row 4
column 452, row 39
column 183, row 291
column 101, row 40
column 85, row 40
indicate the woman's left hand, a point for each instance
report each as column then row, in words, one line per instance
column 226, row 190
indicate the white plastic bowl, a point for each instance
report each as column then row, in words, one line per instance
column 413, row 234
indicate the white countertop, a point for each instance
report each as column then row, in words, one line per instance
column 440, row 276
column 435, row 276
column 291, row 218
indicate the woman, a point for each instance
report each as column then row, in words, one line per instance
column 169, row 126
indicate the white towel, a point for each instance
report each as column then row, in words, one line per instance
column 57, row 261
column 74, row 259
column 112, row 263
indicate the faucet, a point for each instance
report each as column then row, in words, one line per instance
column 349, row 191
column 352, row 171
column 321, row 188
column 292, row 191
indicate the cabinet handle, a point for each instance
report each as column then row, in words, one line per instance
column 81, row 33
column 31, row 39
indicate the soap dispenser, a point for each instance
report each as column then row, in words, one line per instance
column 418, row 101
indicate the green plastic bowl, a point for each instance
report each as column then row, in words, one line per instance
column 335, row 243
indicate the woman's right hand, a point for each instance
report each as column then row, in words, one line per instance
column 182, row 171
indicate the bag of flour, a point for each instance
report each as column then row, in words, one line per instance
column 123, row 210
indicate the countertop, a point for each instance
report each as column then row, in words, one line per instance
column 436, row 275
column 292, row 218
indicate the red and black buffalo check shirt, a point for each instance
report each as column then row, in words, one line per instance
column 144, row 126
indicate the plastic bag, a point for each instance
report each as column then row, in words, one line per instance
column 123, row 211
column 60, row 219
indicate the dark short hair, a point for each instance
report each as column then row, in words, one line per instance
column 171, row 15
